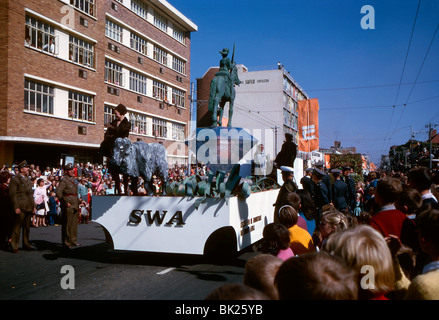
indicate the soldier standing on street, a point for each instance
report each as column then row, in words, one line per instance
column 321, row 193
column 340, row 196
column 351, row 187
column 67, row 193
column 21, row 195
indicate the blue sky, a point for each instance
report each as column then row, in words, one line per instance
column 355, row 73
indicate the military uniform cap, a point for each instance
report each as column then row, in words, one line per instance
column 346, row 168
column 319, row 172
column 319, row 164
column 336, row 170
column 22, row 164
column 309, row 169
column 286, row 169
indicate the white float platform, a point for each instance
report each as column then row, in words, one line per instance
column 174, row 225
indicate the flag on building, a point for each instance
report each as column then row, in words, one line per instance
column 308, row 125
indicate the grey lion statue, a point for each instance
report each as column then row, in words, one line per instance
column 140, row 159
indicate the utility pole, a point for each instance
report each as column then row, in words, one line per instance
column 275, row 138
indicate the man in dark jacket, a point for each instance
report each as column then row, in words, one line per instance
column 340, row 196
column 321, row 193
column 21, row 195
column 287, row 154
column 352, row 190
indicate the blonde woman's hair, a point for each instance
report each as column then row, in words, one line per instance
column 364, row 246
column 336, row 219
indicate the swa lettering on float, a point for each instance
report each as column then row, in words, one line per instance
column 158, row 217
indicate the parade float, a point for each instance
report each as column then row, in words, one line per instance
column 224, row 211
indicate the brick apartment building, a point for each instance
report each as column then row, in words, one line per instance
column 66, row 64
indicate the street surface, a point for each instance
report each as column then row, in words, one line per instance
column 100, row 273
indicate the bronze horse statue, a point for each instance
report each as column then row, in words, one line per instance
column 222, row 89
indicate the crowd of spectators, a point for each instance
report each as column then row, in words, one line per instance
column 92, row 179
column 389, row 252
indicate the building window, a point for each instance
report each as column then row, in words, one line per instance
column 139, row 7
column 159, row 90
column 137, row 83
column 86, row 6
column 38, row 97
column 109, row 115
column 80, row 106
column 40, row 35
column 179, row 65
column 178, row 34
column 178, row 132
column 160, row 55
column 160, row 21
column 113, row 30
column 81, row 51
column 138, row 123
column 159, row 128
column 113, row 73
column 178, row 97
column 138, row 44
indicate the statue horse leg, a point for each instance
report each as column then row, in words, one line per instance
column 231, row 101
column 221, row 112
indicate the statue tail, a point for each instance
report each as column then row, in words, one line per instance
column 213, row 86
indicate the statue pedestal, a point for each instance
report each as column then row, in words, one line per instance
column 220, row 148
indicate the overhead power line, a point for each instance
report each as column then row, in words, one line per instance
column 372, row 86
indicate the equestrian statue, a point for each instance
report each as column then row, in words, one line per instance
column 222, row 89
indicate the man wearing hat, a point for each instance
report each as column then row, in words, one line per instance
column 321, row 193
column 67, row 193
column 288, row 186
column 288, row 153
column 351, row 186
column 21, row 195
column 307, row 182
column 326, row 180
column 340, row 196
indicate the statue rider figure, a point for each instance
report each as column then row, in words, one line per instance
column 225, row 68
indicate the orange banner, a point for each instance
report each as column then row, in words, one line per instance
column 308, row 125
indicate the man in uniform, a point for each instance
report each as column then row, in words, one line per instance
column 67, row 193
column 288, row 186
column 326, row 180
column 340, row 196
column 351, row 187
column 21, row 195
column 307, row 182
column 321, row 193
